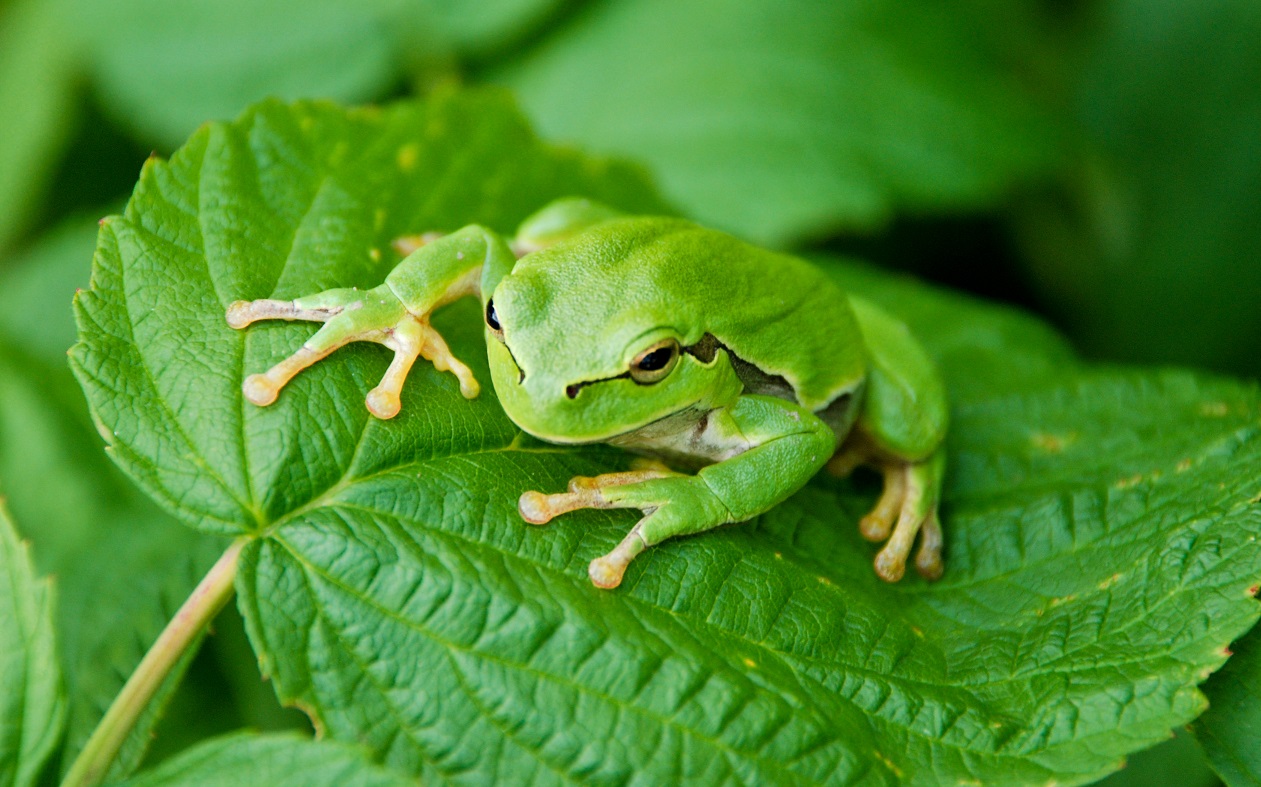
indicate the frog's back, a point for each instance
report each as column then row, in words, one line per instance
column 772, row 311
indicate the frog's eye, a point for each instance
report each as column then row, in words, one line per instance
column 652, row 365
column 492, row 320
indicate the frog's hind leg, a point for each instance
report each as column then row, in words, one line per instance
column 912, row 492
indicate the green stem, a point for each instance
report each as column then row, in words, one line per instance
column 93, row 763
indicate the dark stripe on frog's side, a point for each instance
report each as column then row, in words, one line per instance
column 839, row 414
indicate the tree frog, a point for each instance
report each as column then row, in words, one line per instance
column 740, row 371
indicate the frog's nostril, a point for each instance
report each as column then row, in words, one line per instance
column 572, row 390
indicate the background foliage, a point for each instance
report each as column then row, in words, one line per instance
column 1097, row 161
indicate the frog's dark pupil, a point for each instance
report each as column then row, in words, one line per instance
column 657, row 359
column 492, row 319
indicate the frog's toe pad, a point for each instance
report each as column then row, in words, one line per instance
column 260, row 390
column 535, row 508
column 383, row 404
column 606, row 572
column 929, row 565
column 238, row 314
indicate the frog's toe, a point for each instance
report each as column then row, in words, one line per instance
column 259, row 390
column 877, row 525
column 928, row 562
column 262, row 389
column 384, row 404
column 435, row 350
column 536, row 507
column 241, row 314
column 606, row 571
column 920, row 487
column 406, row 244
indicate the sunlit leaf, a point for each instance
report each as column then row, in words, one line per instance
column 1101, row 531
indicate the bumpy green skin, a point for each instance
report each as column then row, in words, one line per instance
column 769, row 343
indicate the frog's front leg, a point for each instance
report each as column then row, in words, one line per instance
column 787, row 445
column 395, row 314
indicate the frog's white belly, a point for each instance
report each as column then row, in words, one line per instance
column 690, row 438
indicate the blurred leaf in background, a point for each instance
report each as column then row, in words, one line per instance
column 1153, row 251
column 788, row 120
column 36, row 104
column 1231, row 729
column 162, row 68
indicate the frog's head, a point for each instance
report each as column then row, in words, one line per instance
column 584, row 341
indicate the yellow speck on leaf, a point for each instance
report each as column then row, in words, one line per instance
column 407, row 156
column 888, row 763
column 1214, row 409
column 1053, row 443
column 375, row 254
column 748, row 662
column 1126, row 483
column 1184, row 465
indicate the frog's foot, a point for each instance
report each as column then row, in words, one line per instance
column 351, row 315
column 911, row 493
column 406, row 244
column 605, row 571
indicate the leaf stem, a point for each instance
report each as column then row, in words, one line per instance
column 210, row 596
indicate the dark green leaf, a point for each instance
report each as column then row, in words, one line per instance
column 1152, row 254
column 781, row 119
column 32, row 704
column 1231, row 729
column 273, row 760
column 1101, row 537
column 1178, row 762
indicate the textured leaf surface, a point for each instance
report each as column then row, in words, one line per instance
column 1101, row 534
column 32, row 707
column 123, row 566
column 780, row 119
column 1231, row 729
column 274, row 760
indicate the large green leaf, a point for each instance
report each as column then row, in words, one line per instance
column 32, row 705
column 781, row 119
column 1231, row 729
column 1101, row 534
column 274, row 760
